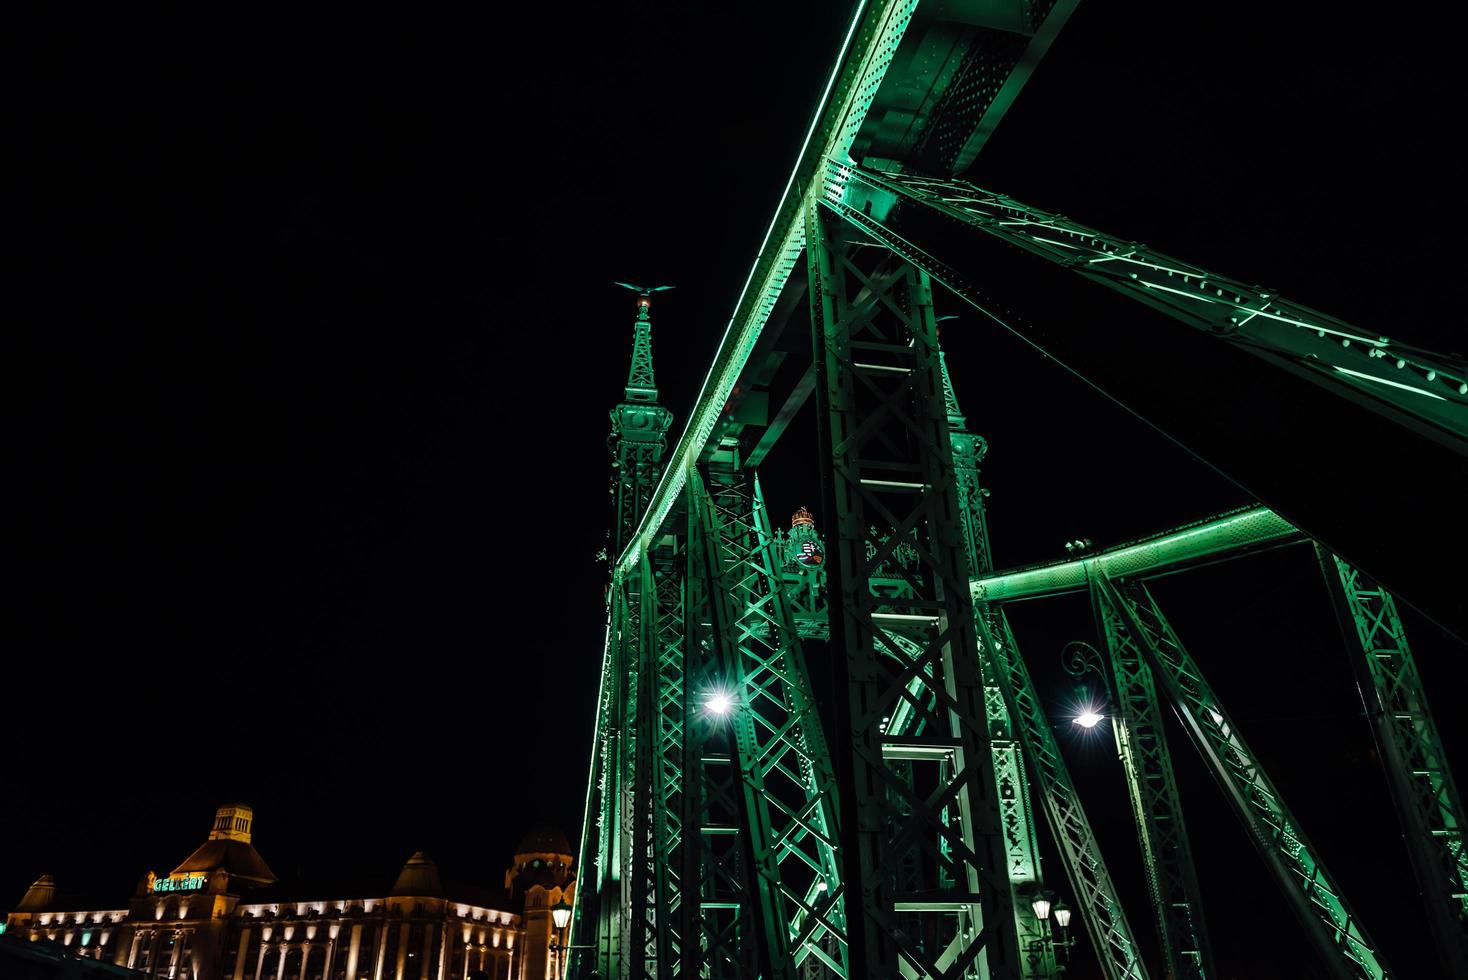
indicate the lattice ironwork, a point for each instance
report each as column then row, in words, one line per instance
column 1427, row 390
column 783, row 765
column 1096, row 897
column 927, row 846
column 666, row 726
column 1171, row 882
column 1311, row 890
column 1426, row 798
column 719, row 909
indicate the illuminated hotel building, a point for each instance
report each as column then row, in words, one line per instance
column 221, row 915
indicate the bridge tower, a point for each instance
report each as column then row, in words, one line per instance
column 615, row 884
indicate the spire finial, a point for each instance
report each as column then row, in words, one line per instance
column 641, row 387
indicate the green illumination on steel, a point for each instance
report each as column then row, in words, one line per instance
column 922, row 828
column 1161, row 831
column 639, row 433
column 1426, row 798
column 1312, row 892
column 710, row 832
column 1080, row 853
column 1329, row 352
column 871, row 39
column 785, row 772
column 1231, row 533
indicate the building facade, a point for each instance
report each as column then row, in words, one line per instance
column 223, row 915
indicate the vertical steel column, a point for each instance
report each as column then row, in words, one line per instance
column 1096, row 898
column 640, row 935
column 718, row 913
column 610, row 905
column 628, row 851
column 1328, row 920
column 1427, row 801
column 783, row 765
column 1171, row 880
column 666, row 687
column 888, row 482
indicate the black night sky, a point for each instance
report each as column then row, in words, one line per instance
column 317, row 340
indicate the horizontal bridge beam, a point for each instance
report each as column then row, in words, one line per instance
column 1369, row 470
column 1230, row 534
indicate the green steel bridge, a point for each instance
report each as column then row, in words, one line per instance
column 734, row 831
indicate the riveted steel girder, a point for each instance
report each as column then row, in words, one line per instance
column 784, row 768
column 1096, row 898
column 1244, row 531
column 1171, row 882
column 921, row 831
column 1426, row 798
column 720, row 937
column 1328, row 920
column 1276, row 396
column 666, row 727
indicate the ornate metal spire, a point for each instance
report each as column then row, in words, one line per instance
column 639, row 428
column 641, row 387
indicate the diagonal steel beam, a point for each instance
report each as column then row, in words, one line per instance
column 1171, row 881
column 1426, row 798
column 1311, row 890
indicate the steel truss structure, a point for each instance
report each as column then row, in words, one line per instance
column 1100, row 907
column 1297, row 867
column 923, row 837
column 1152, row 786
column 1427, row 801
column 743, row 821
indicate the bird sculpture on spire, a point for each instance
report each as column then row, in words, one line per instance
column 644, row 290
column 644, row 295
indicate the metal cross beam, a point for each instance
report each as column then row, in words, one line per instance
column 1100, row 907
column 1427, row 801
column 1176, row 903
column 1310, row 889
column 926, row 847
column 1238, row 375
column 783, row 766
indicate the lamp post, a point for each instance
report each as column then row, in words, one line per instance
column 1046, row 910
column 561, row 918
column 1061, row 912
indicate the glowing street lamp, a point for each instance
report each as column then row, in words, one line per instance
column 561, row 918
column 1047, row 944
column 719, row 704
column 1088, row 718
column 561, row 914
column 1062, row 915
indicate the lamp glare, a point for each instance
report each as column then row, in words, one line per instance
column 1089, row 718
